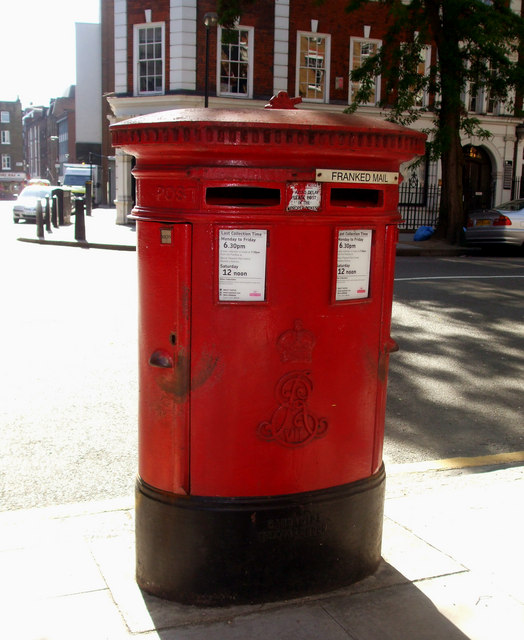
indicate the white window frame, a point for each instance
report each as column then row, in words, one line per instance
column 137, row 28
column 6, row 162
column 425, row 59
column 479, row 103
column 5, row 117
column 325, row 68
column 353, row 41
column 5, row 136
column 250, row 58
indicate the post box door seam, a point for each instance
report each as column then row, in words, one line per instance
column 165, row 348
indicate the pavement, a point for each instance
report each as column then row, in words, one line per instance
column 452, row 560
column 452, row 569
column 102, row 232
column 408, row 247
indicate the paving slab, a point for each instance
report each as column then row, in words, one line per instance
column 84, row 616
column 476, row 606
column 47, row 571
column 397, row 613
column 452, row 568
column 477, row 520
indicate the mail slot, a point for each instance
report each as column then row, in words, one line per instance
column 266, row 247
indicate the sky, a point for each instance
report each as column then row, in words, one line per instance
column 37, row 47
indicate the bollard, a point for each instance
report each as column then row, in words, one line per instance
column 89, row 198
column 47, row 216
column 54, row 211
column 60, row 206
column 67, row 205
column 80, row 225
column 39, row 221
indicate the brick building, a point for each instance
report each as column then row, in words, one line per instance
column 49, row 137
column 36, row 141
column 107, row 36
column 61, row 126
column 159, row 51
column 12, row 168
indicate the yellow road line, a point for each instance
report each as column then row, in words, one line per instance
column 456, row 463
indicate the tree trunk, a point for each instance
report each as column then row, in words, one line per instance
column 451, row 214
column 444, row 18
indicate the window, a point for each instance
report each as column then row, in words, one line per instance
column 423, row 69
column 482, row 101
column 491, row 105
column 235, row 62
column 5, row 137
column 360, row 49
column 149, row 58
column 312, row 80
column 63, row 140
column 6, row 162
column 4, row 117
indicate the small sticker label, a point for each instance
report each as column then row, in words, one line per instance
column 303, row 196
column 353, row 261
column 242, row 265
column 166, row 236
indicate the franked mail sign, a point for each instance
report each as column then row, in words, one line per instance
column 353, row 261
column 242, row 265
column 357, row 176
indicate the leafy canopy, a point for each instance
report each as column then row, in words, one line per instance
column 477, row 45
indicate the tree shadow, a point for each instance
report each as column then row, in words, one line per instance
column 456, row 385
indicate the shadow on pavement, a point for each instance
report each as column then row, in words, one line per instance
column 385, row 606
column 455, row 386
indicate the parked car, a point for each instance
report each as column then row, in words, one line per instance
column 502, row 225
column 25, row 206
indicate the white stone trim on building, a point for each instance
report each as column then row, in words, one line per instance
column 123, row 201
column 281, row 47
column 120, row 16
column 182, row 49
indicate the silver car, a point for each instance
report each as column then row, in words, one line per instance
column 25, row 206
column 502, row 225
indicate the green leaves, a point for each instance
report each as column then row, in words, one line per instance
column 477, row 44
column 229, row 11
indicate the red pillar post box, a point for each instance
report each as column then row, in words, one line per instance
column 266, row 246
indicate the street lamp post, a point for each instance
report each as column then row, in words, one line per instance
column 210, row 20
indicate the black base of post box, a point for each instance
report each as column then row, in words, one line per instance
column 226, row 551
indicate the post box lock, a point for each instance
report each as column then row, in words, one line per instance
column 161, row 358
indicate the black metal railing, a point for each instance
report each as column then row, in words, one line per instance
column 418, row 205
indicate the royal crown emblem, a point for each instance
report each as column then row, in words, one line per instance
column 297, row 344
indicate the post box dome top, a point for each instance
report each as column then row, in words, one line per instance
column 265, row 137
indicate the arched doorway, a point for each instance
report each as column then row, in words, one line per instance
column 477, row 178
